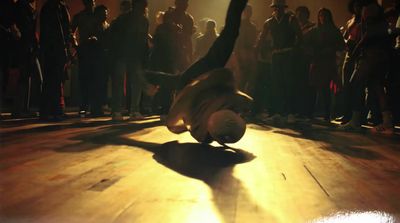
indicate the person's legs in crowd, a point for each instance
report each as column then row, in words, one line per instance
column 134, row 72
column 278, row 90
column 372, row 112
column 52, row 104
column 371, row 69
column 326, row 98
column 393, row 87
column 85, row 67
column 261, row 96
column 96, row 85
column 347, row 71
column 118, row 89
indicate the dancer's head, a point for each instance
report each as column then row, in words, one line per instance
column 226, row 126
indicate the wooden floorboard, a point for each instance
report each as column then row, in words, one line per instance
column 93, row 170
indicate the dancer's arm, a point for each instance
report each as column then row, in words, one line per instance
column 221, row 50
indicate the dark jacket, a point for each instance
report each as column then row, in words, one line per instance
column 129, row 36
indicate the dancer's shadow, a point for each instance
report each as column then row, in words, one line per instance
column 212, row 165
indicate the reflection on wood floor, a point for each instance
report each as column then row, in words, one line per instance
column 93, row 170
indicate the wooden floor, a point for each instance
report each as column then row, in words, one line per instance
column 91, row 170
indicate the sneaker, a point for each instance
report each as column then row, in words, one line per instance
column 135, row 116
column 349, row 127
column 262, row 116
column 117, row 117
column 291, row 119
column 163, row 118
column 82, row 114
column 277, row 118
column 382, row 130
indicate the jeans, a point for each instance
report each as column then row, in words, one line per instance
column 133, row 68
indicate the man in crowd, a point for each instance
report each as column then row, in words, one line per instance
column 286, row 36
column 55, row 41
column 84, row 24
column 27, row 50
column 182, row 18
column 129, row 48
column 244, row 51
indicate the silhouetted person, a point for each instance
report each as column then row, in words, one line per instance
column 286, row 35
column 27, row 50
column 352, row 36
column 393, row 82
column 244, row 51
column 85, row 24
column 166, row 45
column 372, row 54
column 104, row 60
column 55, row 40
column 9, row 37
column 164, row 58
column 129, row 48
column 204, row 42
column 326, row 40
column 183, row 19
column 306, row 100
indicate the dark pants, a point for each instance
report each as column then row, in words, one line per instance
column 22, row 96
column 306, row 94
column 284, row 83
column 262, row 94
column 393, row 87
column 347, row 71
column 217, row 56
column 322, row 96
column 370, row 70
column 133, row 69
column 91, row 77
column 52, row 94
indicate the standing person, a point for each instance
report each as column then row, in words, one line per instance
column 393, row 87
column 26, row 22
column 182, row 18
column 55, row 41
column 305, row 101
column 84, row 24
column 373, row 55
column 129, row 46
column 204, row 42
column 286, row 36
column 101, row 82
column 245, row 51
column 9, row 37
column 326, row 40
column 163, row 58
column 352, row 36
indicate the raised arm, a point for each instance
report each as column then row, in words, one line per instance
column 221, row 50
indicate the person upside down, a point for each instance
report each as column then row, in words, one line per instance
column 208, row 104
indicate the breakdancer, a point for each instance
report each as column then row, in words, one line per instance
column 208, row 104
